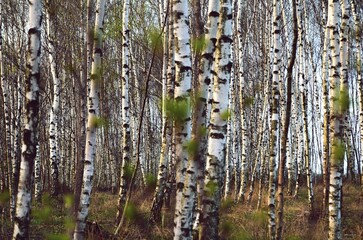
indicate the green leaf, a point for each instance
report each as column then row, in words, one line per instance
column 151, row 181
column 344, row 100
column 226, row 115
column 43, row 214
column 198, row 44
column 338, row 151
column 177, row 109
column 210, row 188
column 156, row 40
column 97, row 122
column 128, row 170
column 68, row 201
column 131, row 212
column 192, row 147
column 202, row 131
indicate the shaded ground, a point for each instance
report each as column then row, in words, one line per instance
column 53, row 219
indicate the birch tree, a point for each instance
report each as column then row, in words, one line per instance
column 53, row 116
column 216, row 151
column 126, row 141
column 198, row 137
column 286, row 125
column 325, row 125
column 163, row 161
column 336, row 131
column 29, row 140
column 275, row 121
column 182, row 119
column 92, row 123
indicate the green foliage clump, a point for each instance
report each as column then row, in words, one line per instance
column 155, row 39
column 177, row 109
column 210, row 188
column 131, row 212
column 338, row 151
column 128, row 170
column 226, row 115
column 192, row 147
column 202, row 131
column 198, row 44
column 43, row 214
column 151, row 181
column 97, row 122
column 344, row 100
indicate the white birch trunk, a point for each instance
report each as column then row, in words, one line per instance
column 126, row 141
column 182, row 126
column 197, row 157
column 218, row 125
column 92, row 123
column 242, row 190
column 37, row 177
column 53, row 115
column 358, row 42
column 163, row 160
column 275, row 121
column 29, row 141
column 337, row 146
column 326, row 116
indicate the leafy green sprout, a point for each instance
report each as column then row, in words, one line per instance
column 226, row 115
column 210, row 188
column 98, row 122
column 338, row 151
column 192, row 147
column 199, row 44
column 177, row 109
column 344, row 100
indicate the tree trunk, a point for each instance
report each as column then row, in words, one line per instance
column 218, row 125
column 93, row 122
column 53, row 116
column 29, row 140
column 182, row 123
column 126, row 137
column 275, row 121
column 336, row 131
column 285, row 130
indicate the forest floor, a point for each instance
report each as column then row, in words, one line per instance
column 53, row 219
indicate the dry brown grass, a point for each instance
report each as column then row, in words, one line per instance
column 237, row 221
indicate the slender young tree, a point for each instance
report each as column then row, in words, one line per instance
column 242, row 191
column 29, row 140
column 336, row 131
column 216, row 152
column 92, row 123
column 182, row 123
column 198, row 137
column 325, row 125
column 53, row 116
column 285, row 130
column 275, row 121
column 163, row 160
column 358, row 42
column 86, row 78
column 7, row 116
column 126, row 141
